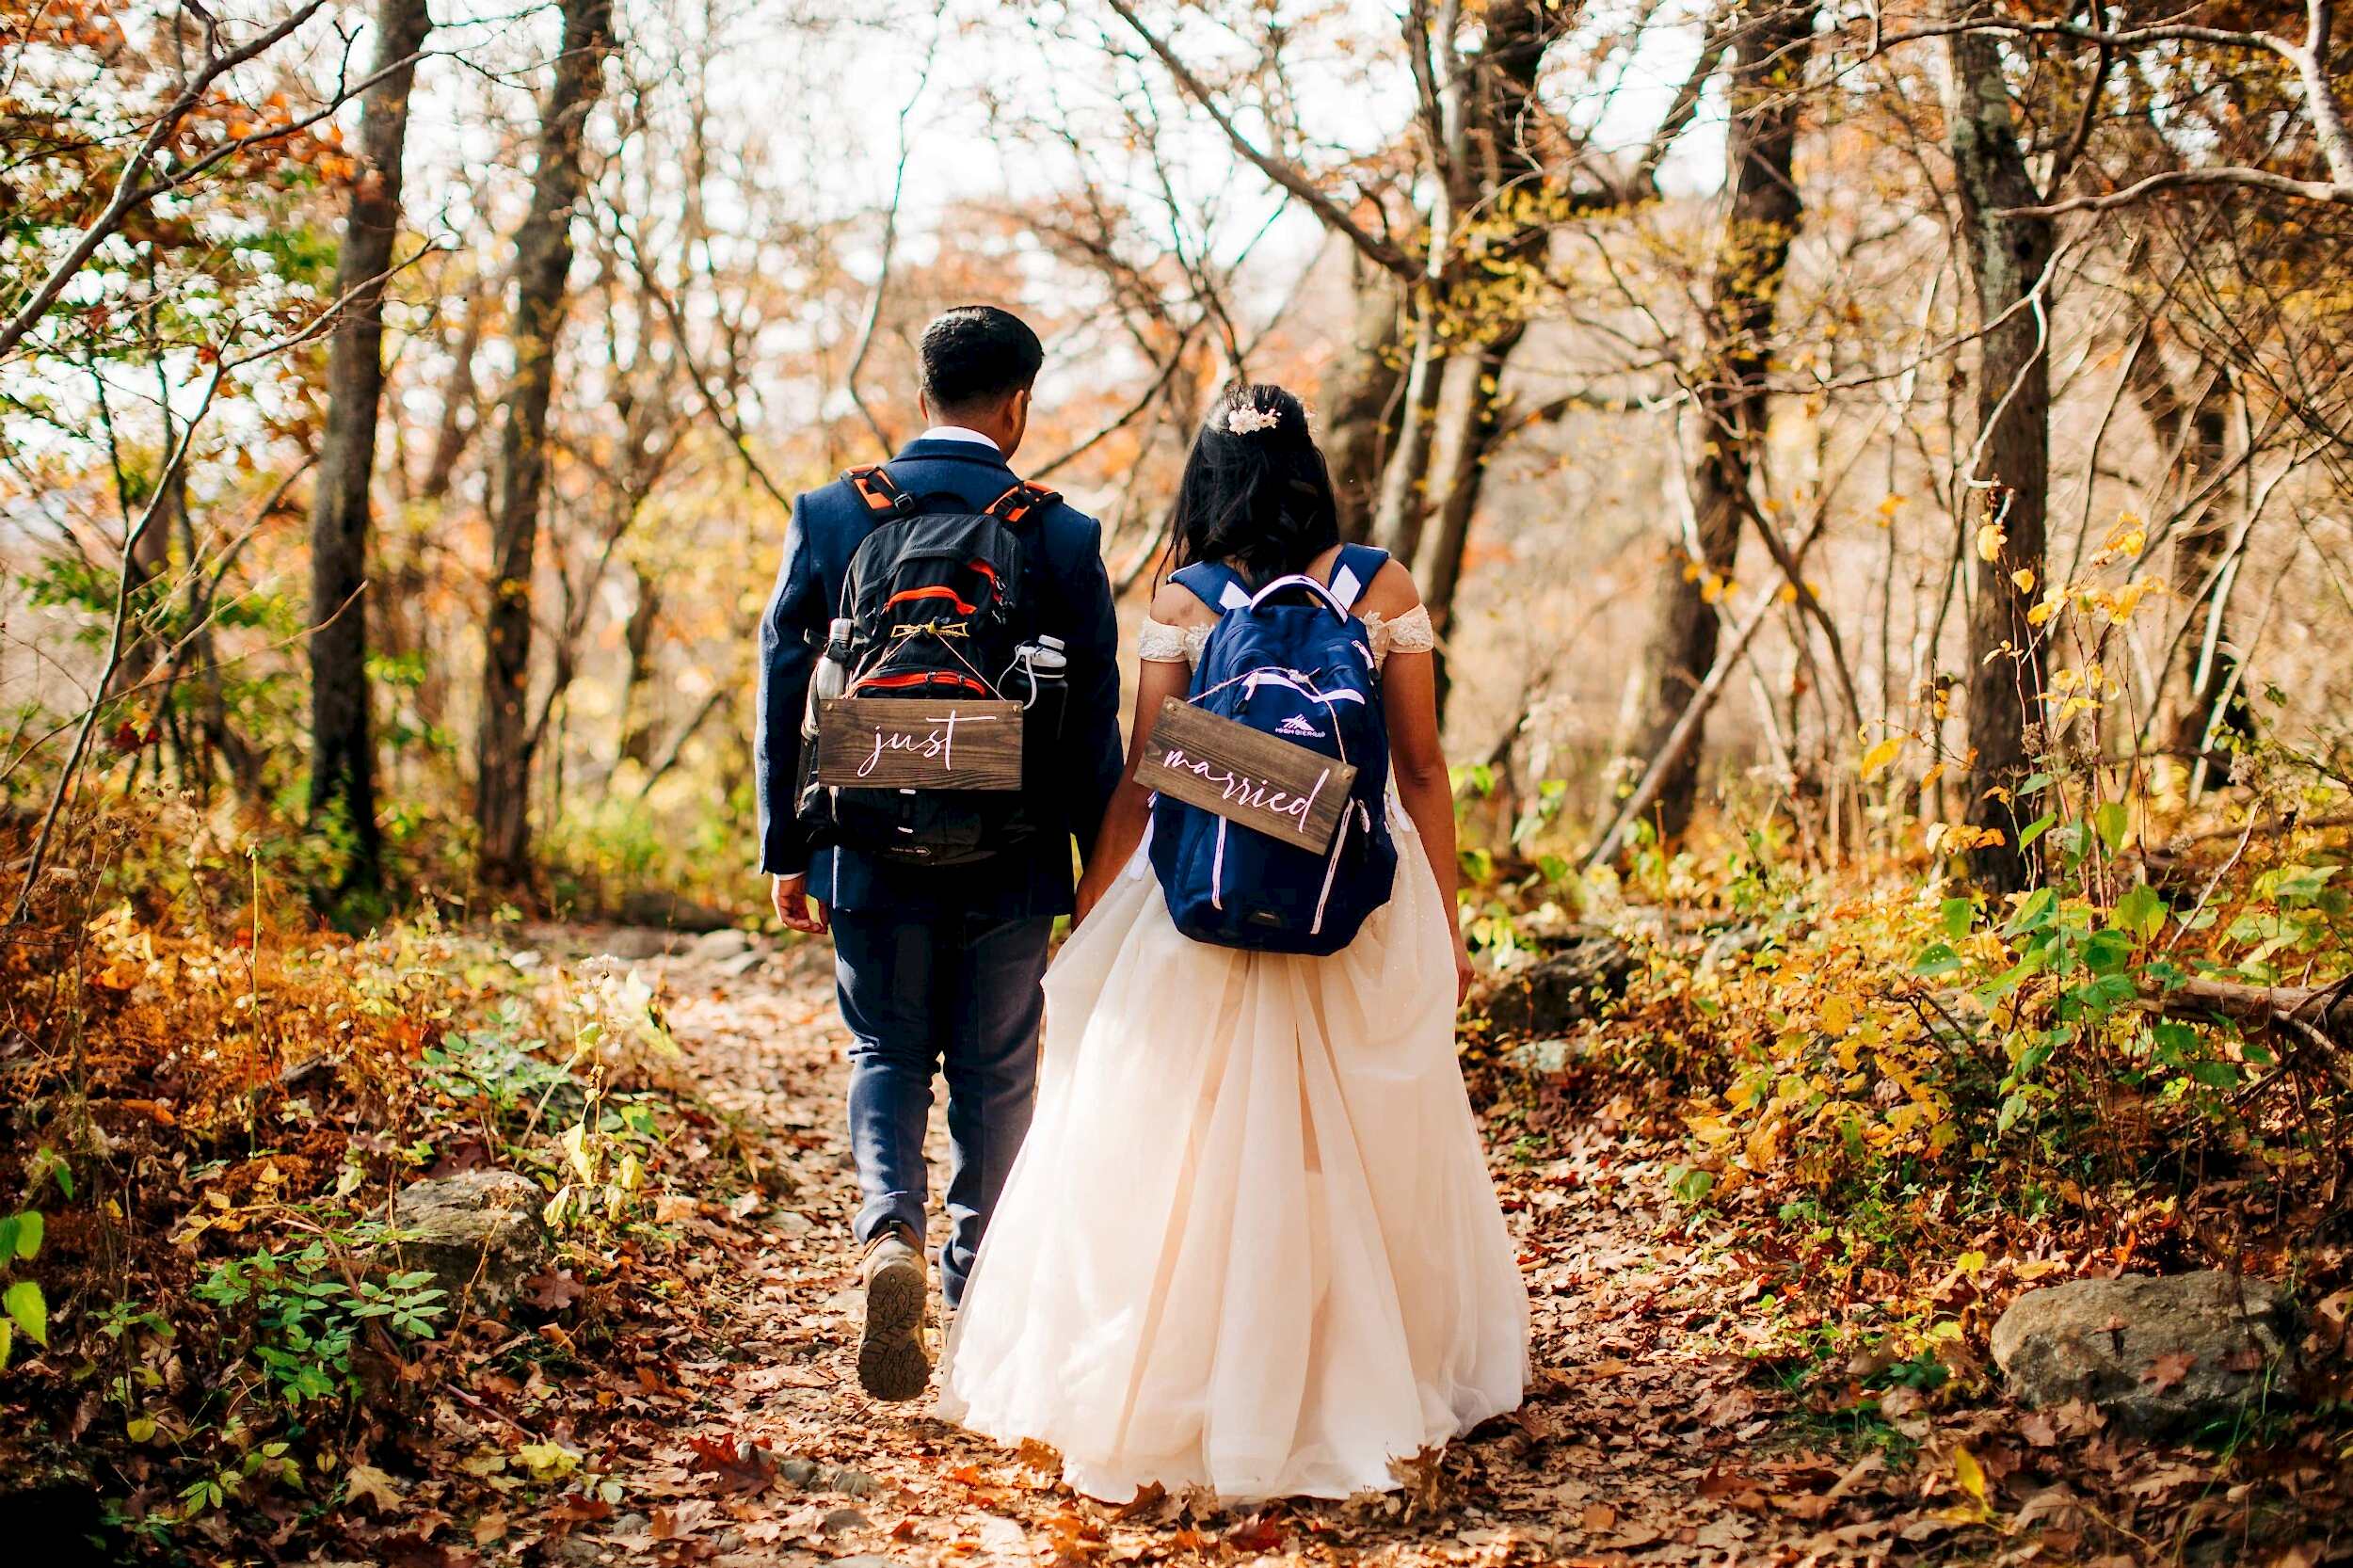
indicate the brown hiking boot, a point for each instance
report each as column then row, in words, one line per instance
column 891, row 1362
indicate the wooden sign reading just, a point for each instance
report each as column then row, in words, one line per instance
column 1284, row 790
column 912, row 744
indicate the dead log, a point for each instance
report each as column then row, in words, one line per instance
column 2318, row 1018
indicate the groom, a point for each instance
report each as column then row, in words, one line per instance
column 938, row 967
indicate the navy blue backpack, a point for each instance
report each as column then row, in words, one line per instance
column 1292, row 660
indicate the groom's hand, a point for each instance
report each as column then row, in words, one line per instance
column 794, row 907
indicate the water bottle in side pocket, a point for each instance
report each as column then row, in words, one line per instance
column 830, row 679
column 1040, row 681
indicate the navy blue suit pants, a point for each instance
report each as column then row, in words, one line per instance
column 954, row 994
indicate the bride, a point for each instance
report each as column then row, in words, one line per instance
column 1250, row 1243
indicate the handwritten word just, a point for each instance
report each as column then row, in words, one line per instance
column 936, row 744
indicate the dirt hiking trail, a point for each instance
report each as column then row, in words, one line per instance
column 724, row 1404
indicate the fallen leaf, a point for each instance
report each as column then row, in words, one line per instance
column 1733, row 1489
column 1144, row 1502
column 553, row 1291
column 1969, row 1474
column 733, row 1467
column 368, row 1484
column 1259, row 1533
column 577, row 1507
column 1861, row 1470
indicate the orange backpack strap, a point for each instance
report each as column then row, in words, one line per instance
column 1020, row 501
column 880, row 492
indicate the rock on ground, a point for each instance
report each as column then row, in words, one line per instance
column 716, row 946
column 477, row 1231
column 1565, row 988
column 631, row 943
column 2158, row 1354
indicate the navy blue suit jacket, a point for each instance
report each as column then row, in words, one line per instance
column 1033, row 878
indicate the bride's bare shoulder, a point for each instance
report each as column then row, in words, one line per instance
column 1391, row 593
column 1173, row 604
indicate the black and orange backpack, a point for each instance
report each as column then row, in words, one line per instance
column 940, row 599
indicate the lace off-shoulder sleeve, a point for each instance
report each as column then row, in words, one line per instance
column 1160, row 643
column 1410, row 633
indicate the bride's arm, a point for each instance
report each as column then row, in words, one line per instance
column 1130, row 809
column 1409, row 698
column 1409, row 691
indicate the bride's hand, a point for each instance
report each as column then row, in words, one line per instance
column 1091, row 889
column 1462, row 973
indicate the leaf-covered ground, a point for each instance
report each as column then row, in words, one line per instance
column 694, row 1402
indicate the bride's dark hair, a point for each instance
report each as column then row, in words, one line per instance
column 1256, row 495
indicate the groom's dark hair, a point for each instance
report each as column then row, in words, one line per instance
column 977, row 356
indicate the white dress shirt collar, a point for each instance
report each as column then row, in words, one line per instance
column 958, row 433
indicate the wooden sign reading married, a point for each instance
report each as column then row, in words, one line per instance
column 1284, row 790
column 912, row 744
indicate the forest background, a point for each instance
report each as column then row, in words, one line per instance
column 1880, row 474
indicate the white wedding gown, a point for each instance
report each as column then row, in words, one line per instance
column 1250, row 1243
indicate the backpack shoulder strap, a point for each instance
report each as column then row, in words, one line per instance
column 879, row 491
column 1021, row 502
column 1214, row 583
column 1353, row 569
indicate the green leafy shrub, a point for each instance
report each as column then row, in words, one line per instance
column 307, row 1314
column 26, row 1309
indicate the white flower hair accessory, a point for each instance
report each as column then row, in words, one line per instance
column 1248, row 418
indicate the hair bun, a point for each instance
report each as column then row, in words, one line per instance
column 1255, row 492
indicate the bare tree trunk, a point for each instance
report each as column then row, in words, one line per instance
column 149, row 554
column 148, row 560
column 200, row 656
column 1398, row 509
column 1502, row 145
column 1360, row 405
column 638, row 712
column 1477, row 422
column 1682, row 649
column 2209, row 659
column 1478, row 425
column 1684, row 734
column 342, row 738
column 459, row 420
column 2010, row 253
column 543, row 258
column 1752, row 255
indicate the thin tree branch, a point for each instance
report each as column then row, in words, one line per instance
column 130, row 188
column 1376, row 250
column 890, row 248
column 113, row 662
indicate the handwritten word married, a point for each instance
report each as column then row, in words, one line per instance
column 1289, row 791
column 1250, row 793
